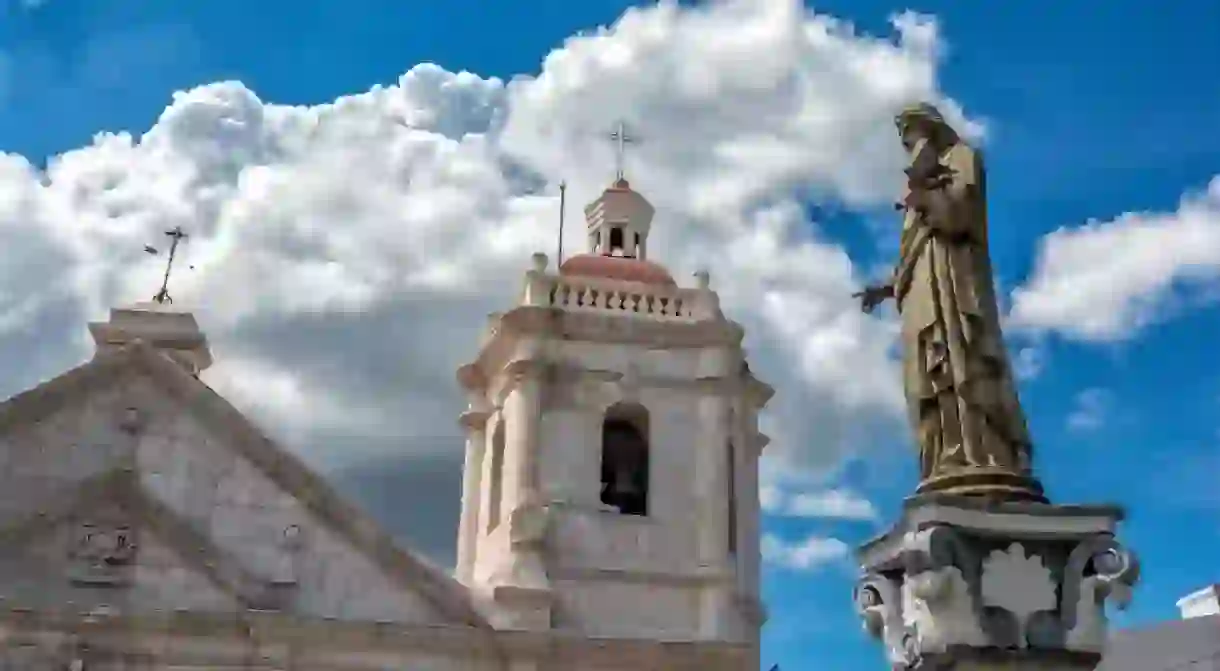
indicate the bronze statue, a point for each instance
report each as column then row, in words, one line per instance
column 961, row 396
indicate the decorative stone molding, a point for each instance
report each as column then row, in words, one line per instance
column 474, row 420
column 932, row 589
column 471, row 378
column 132, row 421
column 878, row 601
column 288, row 556
column 756, row 442
column 1019, row 584
column 103, row 553
column 1099, row 569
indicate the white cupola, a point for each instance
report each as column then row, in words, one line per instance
column 618, row 222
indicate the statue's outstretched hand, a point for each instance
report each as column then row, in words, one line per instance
column 871, row 297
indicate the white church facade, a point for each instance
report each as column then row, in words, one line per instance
column 610, row 512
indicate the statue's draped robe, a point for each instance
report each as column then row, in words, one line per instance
column 959, row 385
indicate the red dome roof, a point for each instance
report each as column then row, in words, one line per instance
column 616, row 268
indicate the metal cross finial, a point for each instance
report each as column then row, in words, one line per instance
column 176, row 236
column 621, row 139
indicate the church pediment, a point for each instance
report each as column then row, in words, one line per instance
column 135, row 429
column 110, row 546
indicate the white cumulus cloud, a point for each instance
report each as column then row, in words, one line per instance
column 345, row 254
column 808, row 554
column 1105, row 281
column 1090, row 410
column 829, row 504
column 832, row 504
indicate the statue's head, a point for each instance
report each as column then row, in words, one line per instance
column 922, row 120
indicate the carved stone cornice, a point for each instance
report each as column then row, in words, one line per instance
column 509, row 329
column 519, row 370
column 1028, row 520
column 758, row 393
column 474, row 420
column 597, row 389
column 172, row 638
column 756, row 443
column 471, row 377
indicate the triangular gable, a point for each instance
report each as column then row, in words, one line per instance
column 284, row 469
column 121, row 488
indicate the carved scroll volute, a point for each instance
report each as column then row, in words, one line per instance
column 878, row 601
column 1098, row 569
column 1115, row 568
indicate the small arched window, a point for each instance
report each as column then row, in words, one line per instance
column 624, row 467
column 495, row 477
column 617, row 244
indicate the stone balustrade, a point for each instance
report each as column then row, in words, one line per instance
column 632, row 299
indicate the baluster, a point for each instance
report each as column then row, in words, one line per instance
column 634, row 300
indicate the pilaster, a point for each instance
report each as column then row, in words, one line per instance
column 474, row 421
column 712, row 486
column 521, row 587
column 528, row 415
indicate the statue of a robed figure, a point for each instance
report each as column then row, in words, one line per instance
column 960, row 392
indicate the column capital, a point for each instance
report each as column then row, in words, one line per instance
column 523, row 369
column 954, row 580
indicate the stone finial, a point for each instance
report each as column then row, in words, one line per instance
column 539, row 262
column 703, row 280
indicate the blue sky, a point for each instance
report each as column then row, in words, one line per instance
column 1092, row 110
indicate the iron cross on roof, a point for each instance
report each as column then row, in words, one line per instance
column 176, row 236
column 621, row 140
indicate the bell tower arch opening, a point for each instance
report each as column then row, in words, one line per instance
column 625, row 476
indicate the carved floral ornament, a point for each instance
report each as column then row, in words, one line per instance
column 946, row 593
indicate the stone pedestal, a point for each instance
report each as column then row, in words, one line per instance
column 963, row 584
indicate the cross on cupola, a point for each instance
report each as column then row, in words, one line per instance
column 619, row 220
column 621, row 140
column 176, row 235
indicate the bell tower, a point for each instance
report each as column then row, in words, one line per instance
column 611, row 475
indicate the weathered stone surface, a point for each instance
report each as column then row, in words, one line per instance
column 148, row 525
column 1019, row 577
